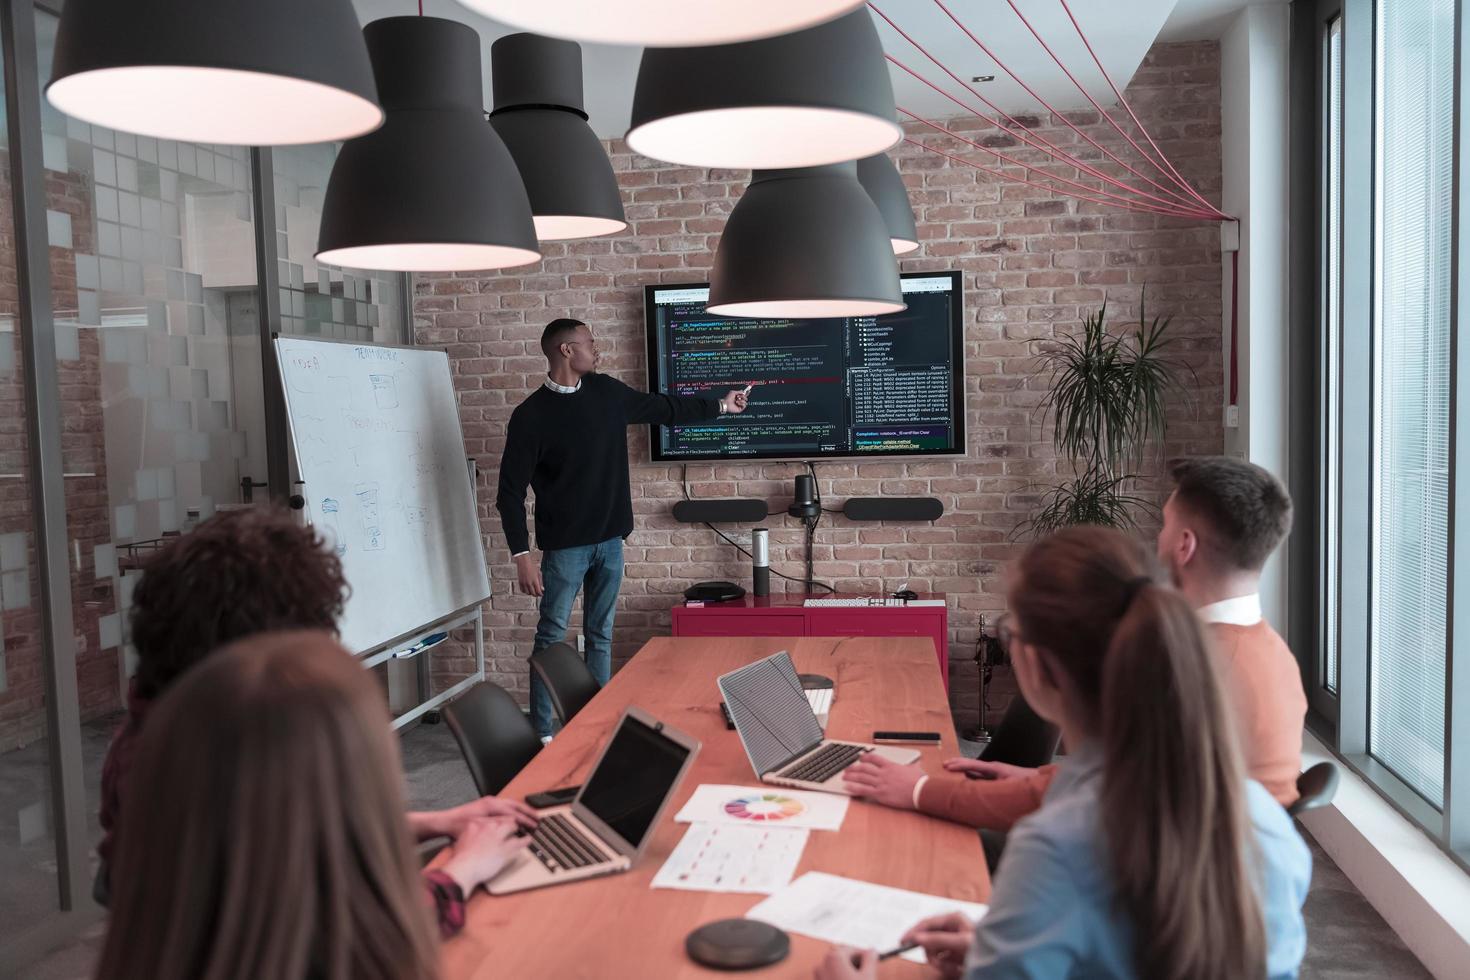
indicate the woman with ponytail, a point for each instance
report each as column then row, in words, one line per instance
column 1152, row 855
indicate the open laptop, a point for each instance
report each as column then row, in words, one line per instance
column 780, row 732
column 606, row 827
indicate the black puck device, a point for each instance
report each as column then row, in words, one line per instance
column 737, row 944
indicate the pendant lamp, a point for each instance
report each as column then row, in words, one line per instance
column 818, row 96
column 662, row 22
column 805, row 243
column 538, row 113
column 434, row 189
column 880, row 179
column 244, row 72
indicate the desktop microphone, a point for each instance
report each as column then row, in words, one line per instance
column 760, row 561
column 805, row 502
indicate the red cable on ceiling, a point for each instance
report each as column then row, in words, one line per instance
column 1173, row 192
column 1117, row 200
column 1139, row 209
column 1132, row 115
column 1103, row 112
column 1184, row 210
column 1054, row 150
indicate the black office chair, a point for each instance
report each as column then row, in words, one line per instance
column 1023, row 738
column 1315, row 788
column 494, row 734
column 567, row 679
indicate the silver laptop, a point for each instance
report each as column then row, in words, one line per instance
column 606, row 828
column 780, row 732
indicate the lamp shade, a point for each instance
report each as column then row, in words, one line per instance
column 805, row 243
column 880, row 179
column 246, row 72
column 662, row 22
column 817, row 96
column 538, row 113
column 434, row 189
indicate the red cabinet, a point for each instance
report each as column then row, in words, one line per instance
column 784, row 615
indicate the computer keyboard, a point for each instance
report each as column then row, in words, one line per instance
column 825, row 763
column 856, row 601
column 560, row 846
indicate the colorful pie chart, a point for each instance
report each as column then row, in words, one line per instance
column 764, row 807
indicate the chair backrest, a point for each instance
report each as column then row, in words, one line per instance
column 1024, row 738
column 567, row 679
column 1315, row 788
column 494, row 734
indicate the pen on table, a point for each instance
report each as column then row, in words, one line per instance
column 890, row 954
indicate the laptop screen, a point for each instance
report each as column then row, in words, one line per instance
column 770, row 711
column 639, row 769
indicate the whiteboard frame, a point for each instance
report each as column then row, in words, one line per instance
column 475, row 610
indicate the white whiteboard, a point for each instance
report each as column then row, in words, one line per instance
column 382, row 461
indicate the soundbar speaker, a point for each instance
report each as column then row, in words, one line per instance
column 892, row 509
column 731, row 511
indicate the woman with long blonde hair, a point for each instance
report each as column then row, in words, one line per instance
column 1152, row 855
column 264, row 831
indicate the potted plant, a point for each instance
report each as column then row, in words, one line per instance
column 1107, row 399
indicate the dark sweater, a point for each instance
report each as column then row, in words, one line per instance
column 572, row 450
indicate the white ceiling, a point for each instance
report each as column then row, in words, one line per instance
column 1121, row 32
column 1199, row 20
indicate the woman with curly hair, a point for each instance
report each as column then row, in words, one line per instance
column 243, row 572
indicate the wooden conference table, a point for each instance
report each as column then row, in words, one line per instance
column 618, row 928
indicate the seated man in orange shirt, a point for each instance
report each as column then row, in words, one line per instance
column 1221, row 523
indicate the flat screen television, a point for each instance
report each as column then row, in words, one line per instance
column 849, row 387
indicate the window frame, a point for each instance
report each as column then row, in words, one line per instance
column 1342, row 719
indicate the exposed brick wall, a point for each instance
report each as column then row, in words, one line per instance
column 1034, row 265
column 22, row 704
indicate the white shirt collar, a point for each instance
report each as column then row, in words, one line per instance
column 1243, row 610
column 562, row 389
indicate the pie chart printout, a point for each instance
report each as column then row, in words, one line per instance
column 766, row 807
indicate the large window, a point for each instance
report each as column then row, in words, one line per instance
column 1393, row 403
column 1413, row 196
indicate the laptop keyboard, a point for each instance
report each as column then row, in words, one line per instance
column 560, row 846
column 825, row 763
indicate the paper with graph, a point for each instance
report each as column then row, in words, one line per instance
column 767, row 806
column 717, row 858
column 855, row 913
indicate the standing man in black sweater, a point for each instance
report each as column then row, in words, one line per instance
column 569, row 442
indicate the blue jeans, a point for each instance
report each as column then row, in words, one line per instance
column 598, row 570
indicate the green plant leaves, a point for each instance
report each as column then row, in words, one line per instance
column 1109, row 398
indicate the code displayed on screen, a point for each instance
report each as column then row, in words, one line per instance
column 857, row 386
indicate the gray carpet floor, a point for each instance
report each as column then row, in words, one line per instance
column 1347, row 938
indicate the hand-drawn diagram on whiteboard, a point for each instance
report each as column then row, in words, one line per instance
column 377, row 441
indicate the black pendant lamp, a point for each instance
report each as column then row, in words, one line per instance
column 244, row 72
column 805, row 243
column 817, row 96
column 662, row 22
column 538, row 113
column 434, row 189
column 880, row 179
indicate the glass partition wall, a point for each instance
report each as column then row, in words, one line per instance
column 153, row 372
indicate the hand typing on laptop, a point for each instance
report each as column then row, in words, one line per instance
column 484, row 846
column 883, row 781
